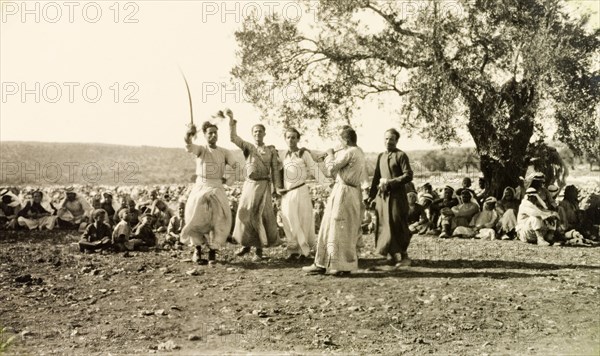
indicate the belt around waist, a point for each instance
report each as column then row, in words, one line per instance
column 296, row 187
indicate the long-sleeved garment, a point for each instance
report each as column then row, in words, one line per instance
column 255, row 221
column 392, row 233
column 340, row 228
column 296, row 204
column 207, row 213
column 35, row 215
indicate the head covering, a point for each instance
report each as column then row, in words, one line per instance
column 554, row 190
column 70, row 189
column 536, row 176
column 449, row 188
column 427, row 196
column 509, row 189
column 491, row 200
column 3, row 191
column 531, row 191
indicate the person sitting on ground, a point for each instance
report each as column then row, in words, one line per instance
column 535, row 223
column 446, row 202
column 97, row 236
column 162, row 214
column 507, row 209
column 417, row 217
column 143, row 237
column 135, row 214
column 570, row 216
column 122, row 232
column 367, row 225
column 10, row 205
column 175, row 225
column 37, row 214
column 428, row 189
column 426, row 200
column 483, row 192
column 554, row 191
column 74, row 211
column 537, row 181
column 109, row 206
column 464, row 212
column 482, row 224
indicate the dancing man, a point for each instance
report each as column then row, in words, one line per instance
column 207, row 214
column 255, row 221
column 336, row 244
column 296, row 203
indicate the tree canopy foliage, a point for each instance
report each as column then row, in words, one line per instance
column 504, row 70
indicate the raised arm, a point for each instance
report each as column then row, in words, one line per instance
column 243, row 145
column 189, row 146
column 333, row 163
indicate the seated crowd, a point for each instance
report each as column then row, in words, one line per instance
column 113, row 220
column 529, row 213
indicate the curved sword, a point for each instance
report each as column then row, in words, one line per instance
column 189, row 97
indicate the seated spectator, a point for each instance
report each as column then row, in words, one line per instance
column 175, row 225
column 483, row 192
column 96, row 200
column 161, row 212
column 143, row 236
column 537, row 182
column 466, row 183
column 135, row 214
column 369, row 221
column 483, row 224
column 97, row 236
column 122, row 232
column 464, row 212
column 535, row 223
column 428, row 189
column 418, row 222
column 10, row 205
column 37, row 214
column 443, row 205
column 554, row 191
column 110, row 207
column 74, row 211
column 568, row 210
column 507, row 209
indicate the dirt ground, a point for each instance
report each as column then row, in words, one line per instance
column 460, row 297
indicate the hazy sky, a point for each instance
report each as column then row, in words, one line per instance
column 107, row 71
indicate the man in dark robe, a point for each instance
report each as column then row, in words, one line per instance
column 388, row 191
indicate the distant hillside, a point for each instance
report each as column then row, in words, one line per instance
column 40, row 163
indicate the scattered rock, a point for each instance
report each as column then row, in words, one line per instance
column 160, row 312
column 518, row 307
column 193, row 337
column 168, row 346
column 260, row 313
column 26, row 278
column 193, row 272
column 146, row 312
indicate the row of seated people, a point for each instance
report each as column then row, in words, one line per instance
column 529, row 212
column 75, row 212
